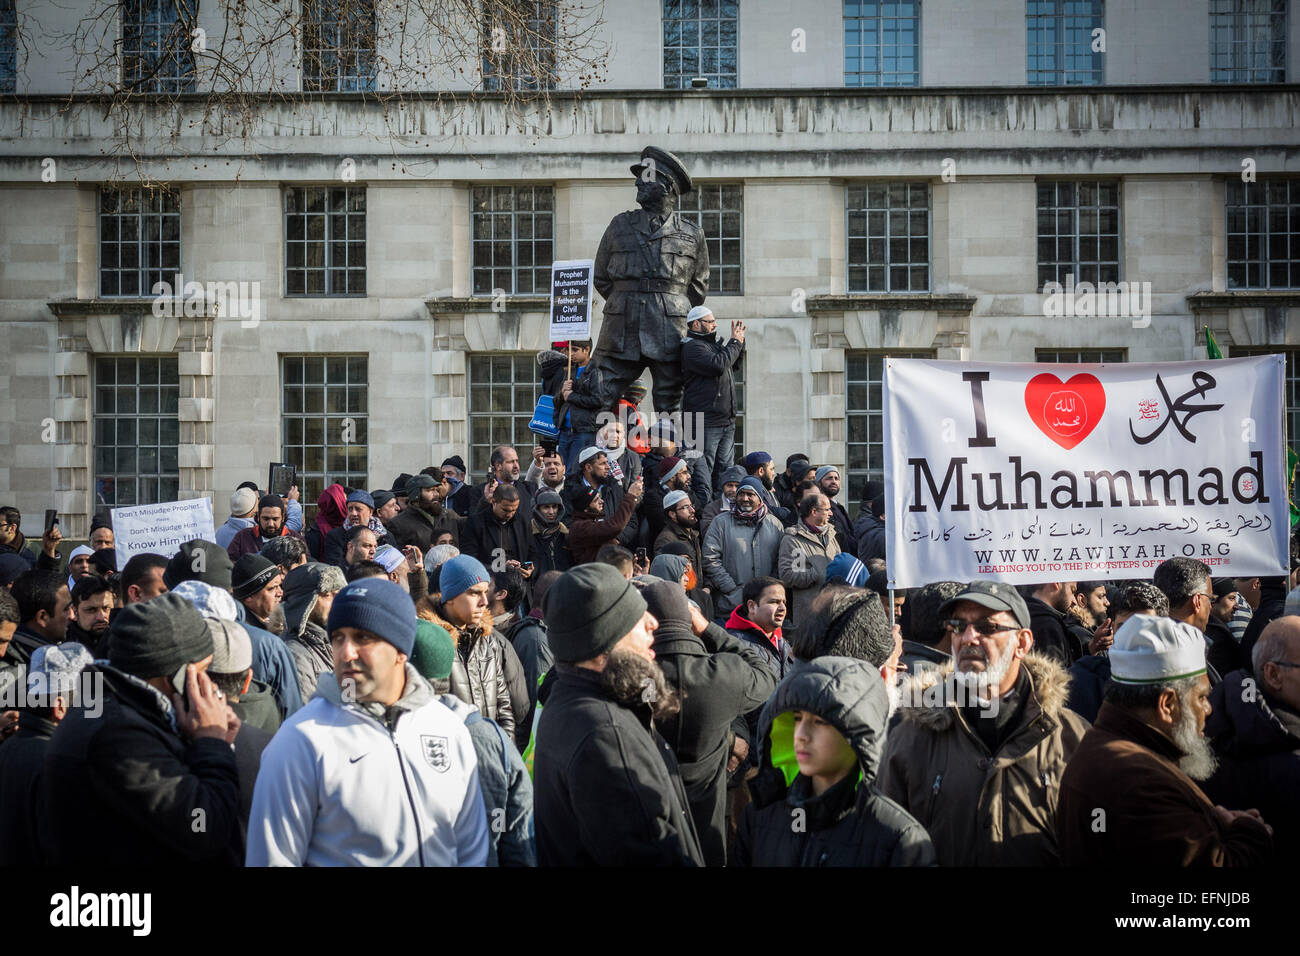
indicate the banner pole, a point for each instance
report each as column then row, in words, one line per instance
column 891, row 608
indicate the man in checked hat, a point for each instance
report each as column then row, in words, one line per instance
column 651, row 267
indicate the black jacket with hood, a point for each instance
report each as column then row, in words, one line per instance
column 21, row 760
column 1050, row 636
column 125, row 786
column 707, row 362
column 1258, row 744
column 1272, row 605
column 718, row 679
column 606, row 790
column 850, row 824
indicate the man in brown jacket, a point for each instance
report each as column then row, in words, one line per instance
column 590, row 527
column 806, row 548
column 983, row 742
column 1128, row 797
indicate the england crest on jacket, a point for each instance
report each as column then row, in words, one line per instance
column 435, row 751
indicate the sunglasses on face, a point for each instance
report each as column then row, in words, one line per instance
column 984, row 627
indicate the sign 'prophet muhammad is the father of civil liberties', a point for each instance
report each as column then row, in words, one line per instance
column 1033, row 473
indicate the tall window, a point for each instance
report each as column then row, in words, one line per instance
column 865, row 407
column 503, row 393
column 889, row 237
column 513, row 243
column 157, row 55
column 325, row 421
column 338, row 46
column 8, row 46
column 325, row 240
column 518, row 41
column 700, row 41
column 1060, row 35
column 717, row 208
column 1078, row 231
column 139, row 240
column 1248, row 41
column 1263, row 234
column 1081, row 356
column 882, row 43
column 137, row 432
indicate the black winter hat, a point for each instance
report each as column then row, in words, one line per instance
column 456, row 462
column 251, row 573
column 199, row 560
column 156, row 638
column 666, row 600
column 588, row 610
column 271, row 501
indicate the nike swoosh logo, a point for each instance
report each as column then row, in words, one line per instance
column 356, row 758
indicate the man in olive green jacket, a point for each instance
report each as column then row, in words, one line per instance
column 979, row 752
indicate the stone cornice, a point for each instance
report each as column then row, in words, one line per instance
column 478, row 305
column 69, row 308
column 1244, row 299
column 903, row 302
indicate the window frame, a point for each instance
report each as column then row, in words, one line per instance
column 683, row 80
column 854, row 476
column 494, row 81
column 1117, row 356
column 295, row 452
column 541, row 275
column 1239, row 23
column 879, row 74
column 143, row 272
column 1076, row 264
column 329, row 241
column 523, row 372
column 1264, row 236
column 8, row 46
column 315, row 82
column 697, row 214
column 152, row 28
column 866, row 210
column 167, row 378
column 1060, row 72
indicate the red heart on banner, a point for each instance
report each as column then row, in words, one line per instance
column 1066, row 412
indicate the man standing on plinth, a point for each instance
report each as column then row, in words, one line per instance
column 651, row 267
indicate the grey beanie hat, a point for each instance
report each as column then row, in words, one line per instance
column 734, row 473
column 302, row 586
column 588, row 610
column 158, row 637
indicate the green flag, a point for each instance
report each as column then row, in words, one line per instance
column 1212, row 349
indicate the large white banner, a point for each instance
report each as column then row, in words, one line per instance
column 1032, row 473
column 160, row 528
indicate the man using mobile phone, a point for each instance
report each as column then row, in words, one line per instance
column 160, row 762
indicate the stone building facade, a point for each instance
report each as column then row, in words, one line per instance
column 428, row 362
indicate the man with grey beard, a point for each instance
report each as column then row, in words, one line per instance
column 607, row 791
column 1129, row 797
column 982, row 740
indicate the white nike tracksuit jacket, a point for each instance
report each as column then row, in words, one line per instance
column 337, row 787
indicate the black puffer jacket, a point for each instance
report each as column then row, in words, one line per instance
column 125, row 786
column 1050, row 636
column 850, row 824
column 605, row 785
column 1258, row 744
column 1272, row 604
column 706, row 371
column 718, row 679
column 478, row 674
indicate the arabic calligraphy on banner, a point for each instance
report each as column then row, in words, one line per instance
column 1031, row 473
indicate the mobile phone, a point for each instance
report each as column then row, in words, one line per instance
column 51, row 518
column 641, row 554
column 527, row 564
column 549, row 445
column 178, row 681
column 282, row 477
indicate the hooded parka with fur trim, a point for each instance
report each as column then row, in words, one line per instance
column 984, row 809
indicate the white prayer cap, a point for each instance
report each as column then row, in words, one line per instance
column 1156, row 650
column 697, row 313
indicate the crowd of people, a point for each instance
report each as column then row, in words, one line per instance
column 626, row 649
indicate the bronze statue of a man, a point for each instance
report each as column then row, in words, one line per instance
column 651, row 267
